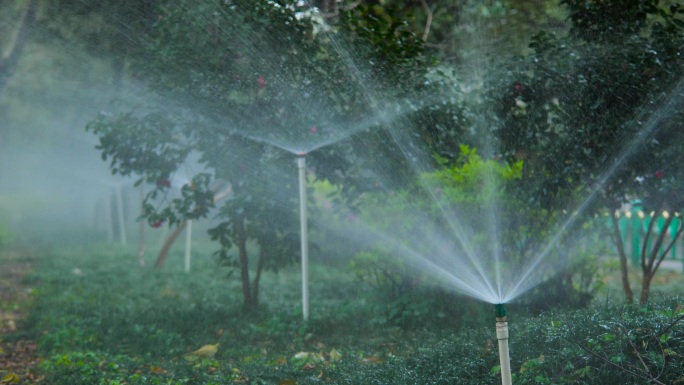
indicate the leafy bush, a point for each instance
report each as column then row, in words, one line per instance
column 381, row 270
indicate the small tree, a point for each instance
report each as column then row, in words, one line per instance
column 244, row 85
column 597, row 115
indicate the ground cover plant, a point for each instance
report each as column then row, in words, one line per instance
column 97, row 321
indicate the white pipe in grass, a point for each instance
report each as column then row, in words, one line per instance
column 301, row 164
column 188, row 244
column 141, row 235
column 109, row 219
column 118, row 191
column 502, row 336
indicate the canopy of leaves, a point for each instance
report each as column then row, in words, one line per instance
column 239, row 88
column 599, row 109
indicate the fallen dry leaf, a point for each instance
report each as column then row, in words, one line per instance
column 11, row 378
column 309, row 366
column 205, row 351
column 335, row 355
column 373, row 360
column 287, row 381
column 158, row 370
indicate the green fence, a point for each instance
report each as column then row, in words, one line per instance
column 634, row 223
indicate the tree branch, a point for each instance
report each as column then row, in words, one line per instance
column 9, row 61
column 624, row 274
column 658, row 243
column 669, row 246
column 604, row 359
column 644, row 248
column 428, row 21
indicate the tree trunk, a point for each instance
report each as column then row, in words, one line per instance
column 239, row 227
column 646, row 287
column 8, row 63
column 257, row 276
column 161, row 258
column 624, row 272
column 164, row 253
column 650, row 262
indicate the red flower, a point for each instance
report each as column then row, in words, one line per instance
column 659, row 174
column 313, row 130
column 262, row 82
column 157, row 223
column 164, row 182
column 519, row 88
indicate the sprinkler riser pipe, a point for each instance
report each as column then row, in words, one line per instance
column 304, row 231
column 502, row 337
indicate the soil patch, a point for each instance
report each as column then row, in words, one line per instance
column 18, row 356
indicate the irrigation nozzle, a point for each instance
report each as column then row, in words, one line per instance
column 502, row 336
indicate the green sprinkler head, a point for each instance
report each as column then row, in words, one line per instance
column 500, row 310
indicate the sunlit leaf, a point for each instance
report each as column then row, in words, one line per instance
column 205, row 351
column 335, row 355
column 11, row 378
column 664, row 337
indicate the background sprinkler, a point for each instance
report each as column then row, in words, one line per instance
column 502, row 336
column 301, row 164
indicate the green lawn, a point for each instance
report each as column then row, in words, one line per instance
column 100, row 319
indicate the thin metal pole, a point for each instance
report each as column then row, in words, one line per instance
column 301, row 164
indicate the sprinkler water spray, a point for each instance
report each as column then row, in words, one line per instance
column 502, row 336
column 301, row 164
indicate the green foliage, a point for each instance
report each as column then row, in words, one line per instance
column 111, row 324
column 472, row 181
column 251, row 83
column 621, row 106
column 382, row 271
column 614, row 133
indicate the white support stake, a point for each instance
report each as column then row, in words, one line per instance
column 188, row 244
column 120, row 212
column 301, row 164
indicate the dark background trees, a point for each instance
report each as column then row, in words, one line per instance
column 567, row 105
column 597, row 115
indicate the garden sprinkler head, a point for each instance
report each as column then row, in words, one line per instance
column 500, row 310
